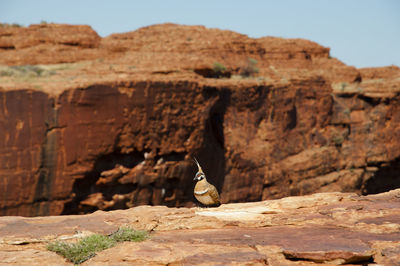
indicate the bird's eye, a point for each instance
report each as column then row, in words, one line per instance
column 199, row 176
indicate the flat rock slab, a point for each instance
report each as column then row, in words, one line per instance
column 250, row 245
column 324, row 228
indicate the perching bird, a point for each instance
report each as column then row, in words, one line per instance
column 204, row 192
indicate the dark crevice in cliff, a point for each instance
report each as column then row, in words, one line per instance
column 354, row 260
column 54, row 128
column 48, row 166
column 88, row 185
column 386, row 178
column 369, row 100
column 213, row 72
column 212, row 154
column 216, row 122
column 71, row 43
column 292, row 118
column 11, row 47
column 173, row 184
column 172, row 156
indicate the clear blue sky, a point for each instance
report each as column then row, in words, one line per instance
column 361, row 33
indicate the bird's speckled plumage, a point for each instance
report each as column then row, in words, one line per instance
column 204, row 192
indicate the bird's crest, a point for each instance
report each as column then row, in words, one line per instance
column 198, row 165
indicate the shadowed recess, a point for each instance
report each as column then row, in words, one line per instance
column 87, row 185
column 385, row 179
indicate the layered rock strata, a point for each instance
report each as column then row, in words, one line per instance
column 90, row 123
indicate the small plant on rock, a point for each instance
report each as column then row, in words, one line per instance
column 128, row 234
column 13, row 25
column 250, row 69
column 219, row 70
column 87, row 247
column 337, row 140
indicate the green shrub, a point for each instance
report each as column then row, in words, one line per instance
column 128, row 234
column 14, row 25
column 219, row 70
column 337, row 140
column 87, row 247
column 25, row 71
column 250, row 69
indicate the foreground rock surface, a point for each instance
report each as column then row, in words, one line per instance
column 90, row 123
column 323, row 228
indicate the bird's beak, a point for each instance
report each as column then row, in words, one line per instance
column 194, row 178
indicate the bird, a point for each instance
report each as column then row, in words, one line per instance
column 204, row 192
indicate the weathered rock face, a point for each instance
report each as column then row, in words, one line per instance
column 53, row 43
column 324, row 228
column 119, row 129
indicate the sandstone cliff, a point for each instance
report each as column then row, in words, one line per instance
column 90, row 123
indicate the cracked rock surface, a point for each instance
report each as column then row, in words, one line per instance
column 322, row 228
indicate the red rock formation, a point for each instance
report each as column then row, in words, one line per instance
column 119, row 129
column 47, row 44
column 329, row 228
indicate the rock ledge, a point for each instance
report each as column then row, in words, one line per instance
column 328, row 228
